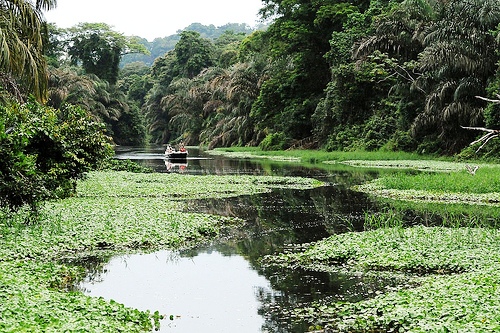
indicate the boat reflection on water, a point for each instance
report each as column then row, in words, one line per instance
column 176, row 159
column 173, row 165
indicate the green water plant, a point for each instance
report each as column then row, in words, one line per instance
column 179, row 186
column 455, row 187
column 451, row 215
column 111, row 213
column 31, row 300
column 416, row 250
column 466, row 302
column 454, row 274
column 124, row 165
column 416, row 164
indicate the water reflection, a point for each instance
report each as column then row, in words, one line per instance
column 199, row 162
column 208, row 292
column 222, row 286
column 196, row 163
column 303, row 215
column 211, row 291
column 173, row 167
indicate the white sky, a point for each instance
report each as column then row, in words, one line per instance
column 153, row 18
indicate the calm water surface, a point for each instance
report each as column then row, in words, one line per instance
column 221, row 287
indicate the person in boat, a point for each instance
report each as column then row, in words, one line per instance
column 169, row 150
column 182, row 149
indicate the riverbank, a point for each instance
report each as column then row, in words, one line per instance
column 439, row 180
column 314, row 156
column 113, row 212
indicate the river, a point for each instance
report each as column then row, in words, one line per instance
column 221, row 287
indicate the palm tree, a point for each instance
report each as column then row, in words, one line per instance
column 452, row 50
column 184, row 106
column 156, row 117
column 232, row 91
column 397, row 31
column 459, row 57
column 65, row 85
column 22, row 30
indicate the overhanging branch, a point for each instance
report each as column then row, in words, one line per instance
column 489, row 99
column 491, row 133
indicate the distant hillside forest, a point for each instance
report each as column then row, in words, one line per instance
column 159, row 46
column 395, row 75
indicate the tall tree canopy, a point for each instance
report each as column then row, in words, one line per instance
column 191, row 55
column 99, row 49
column 298, row 40
column 336, row 74
column 22, row 31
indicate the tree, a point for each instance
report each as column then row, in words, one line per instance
column 66, row 86
column 458, row 59
column 99, row 49
column 445, row 51
column 163, row 71
column 184, row 106
column 226, row 48
column 354, row 114
column 55, row 51
column 193, row 54
column 107, row 103
column 21, row 46
column 227, row 112
column 45, row 150
column 297, row 42
column 135, row 81
column 159, row 46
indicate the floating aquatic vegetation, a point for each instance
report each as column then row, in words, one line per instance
column 112, row 212
column 451, row 188
column 423, row 165
column 456, row 270
column 178, row 186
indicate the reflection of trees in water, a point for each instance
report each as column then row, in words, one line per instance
column 288, row 216
column 276, row 312
column 93, row 266
column 341, row 209
column 300, row 288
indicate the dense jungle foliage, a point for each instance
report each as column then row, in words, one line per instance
column 395, row 75
column 366, row 74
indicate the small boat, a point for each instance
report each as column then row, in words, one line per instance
column 176, row 155
column 172, row 154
